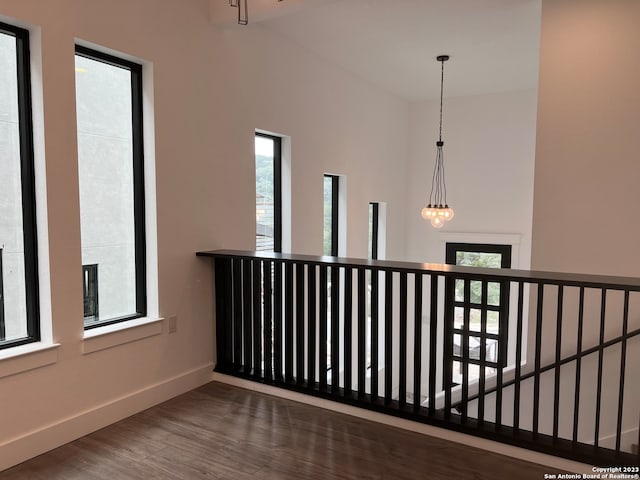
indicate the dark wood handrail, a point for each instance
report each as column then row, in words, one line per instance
column 529, row 276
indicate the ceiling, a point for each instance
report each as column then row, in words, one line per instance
column 393, row 44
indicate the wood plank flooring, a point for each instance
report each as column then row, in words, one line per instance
column 224, row 432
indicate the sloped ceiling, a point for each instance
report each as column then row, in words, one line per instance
column 493, row 44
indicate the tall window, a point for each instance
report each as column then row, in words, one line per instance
column 330, row 245
column 374, row 229
column 19, row 322
column 268, row 154
column 480, row 310
column 2, row 327
column 90, row 291
column 111, row 177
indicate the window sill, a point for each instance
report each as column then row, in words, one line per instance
column 129, row 331
column 27, row 357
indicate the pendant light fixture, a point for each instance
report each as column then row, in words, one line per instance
column 437, row 210
column 243, row 10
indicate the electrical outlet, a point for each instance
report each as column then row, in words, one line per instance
column 173, row 323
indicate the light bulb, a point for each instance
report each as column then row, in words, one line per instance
column 425, row 213
column 437, row 222
column 448, row 213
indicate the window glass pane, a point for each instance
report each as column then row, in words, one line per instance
column 328, row 216
column 492, row 350
column 105, row 169
column 265, row 193
column 459, row 290
column 475, row 319
column 493, row 293
column 13, row 302
column 493, row 321
column 474, row 348
column 458, row 317
column 475, row 291
column 478, row 259
column 457, row 345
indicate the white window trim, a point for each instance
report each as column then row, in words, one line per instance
column 102, row 338
column 27, row 357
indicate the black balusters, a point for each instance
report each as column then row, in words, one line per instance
column 277, row 321
column 299, row 340
column 362, row 331
column 538, row 353
column 447, row 367
column 374, row 334
column 518, row 367
column 576, row 401
column 433, row 342
column 257, row 318
column 464, row 362
column 322, row 329
column 290, row 321
column 224, row 314
column 335, row 329
column 556, row 380
column 348, row 329
column 246, row 299
column 402, row 395
column 417, row 343
column 267, row 315
column 623, row 365
column 237, row 315
column 388, row 336
column 503, row 347
column 603, row 311
column 311, row 325
column 484, row 293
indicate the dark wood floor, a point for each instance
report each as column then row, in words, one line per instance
column 224, row 432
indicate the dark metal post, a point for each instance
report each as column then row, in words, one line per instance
column 224, row 312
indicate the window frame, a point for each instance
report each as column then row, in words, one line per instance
column 27, row 175
column 138, row 179
column 90, row 289
column 3, row 332
column 277, row 189
column 335, row 192
column 501, row 338
column 375, row 229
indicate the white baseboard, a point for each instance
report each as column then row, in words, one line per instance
column 555, row 464
column 31, row 444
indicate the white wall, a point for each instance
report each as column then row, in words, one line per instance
column 587, row 171
column 212, row 89
column 337, row 124
column 489, row 153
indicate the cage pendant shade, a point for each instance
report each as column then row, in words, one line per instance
column 438, row 210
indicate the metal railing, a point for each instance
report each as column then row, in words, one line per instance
column 549, row 370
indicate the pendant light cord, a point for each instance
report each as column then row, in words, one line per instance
column 438, row 210
column 441, row 96
column 438, row 184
